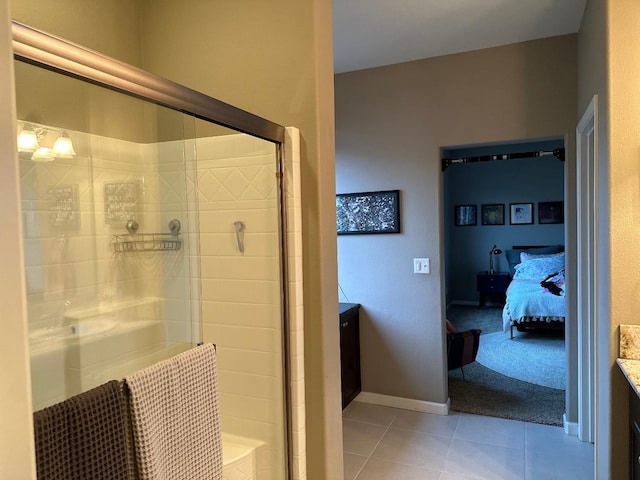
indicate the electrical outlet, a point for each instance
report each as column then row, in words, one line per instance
column 421, row 265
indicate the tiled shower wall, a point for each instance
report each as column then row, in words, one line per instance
column 241, row 302
column 241, row 295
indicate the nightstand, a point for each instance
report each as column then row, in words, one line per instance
column 492, row 285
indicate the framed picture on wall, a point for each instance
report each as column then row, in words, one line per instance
column 493, row 214
column 120, row 202
column 63, row 209
column 368, row 212
column 550, row 212
column 521, row 213
column 466, row 215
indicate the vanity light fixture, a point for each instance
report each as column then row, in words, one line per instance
column 43, row 154
column 63, row 147
column 28, row 140
column 31, row 139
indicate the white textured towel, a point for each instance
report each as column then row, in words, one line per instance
column 175, row 414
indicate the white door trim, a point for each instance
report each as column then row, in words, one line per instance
column 587, row 278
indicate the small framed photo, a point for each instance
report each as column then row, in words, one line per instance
column 466, row 215
column 521, row 213
column 550, row 212
column 493, row 214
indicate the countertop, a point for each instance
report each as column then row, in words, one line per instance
column 629, row 359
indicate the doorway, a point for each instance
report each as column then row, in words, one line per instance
column 493, row 181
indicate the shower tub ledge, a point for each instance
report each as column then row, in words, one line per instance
column 241, row 457
column 88, row 347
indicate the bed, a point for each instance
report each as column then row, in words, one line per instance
column 536, row 295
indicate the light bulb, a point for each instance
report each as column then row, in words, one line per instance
column 27, row 140
column 63, row 147
column 43, row 154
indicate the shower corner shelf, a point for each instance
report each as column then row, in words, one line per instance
column 148, row 242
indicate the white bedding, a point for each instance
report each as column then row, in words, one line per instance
column 528, row 301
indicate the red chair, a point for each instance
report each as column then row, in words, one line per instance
column 462, row 347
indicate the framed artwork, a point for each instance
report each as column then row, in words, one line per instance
column 493, row 214
column 466, row 215
column 368, row 212
column 521, row 213
column 550, row 212
column 120, row 202
column 64, row 206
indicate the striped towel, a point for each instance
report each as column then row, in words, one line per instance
column 175, row 416
column 82, row 437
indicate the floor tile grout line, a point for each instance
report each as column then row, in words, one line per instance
column 527, row 452
column 376, row 446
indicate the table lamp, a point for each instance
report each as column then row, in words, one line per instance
column 494, row 251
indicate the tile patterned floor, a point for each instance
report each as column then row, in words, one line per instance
column 382, row 443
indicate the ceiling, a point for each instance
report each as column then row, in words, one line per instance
column 372, row 33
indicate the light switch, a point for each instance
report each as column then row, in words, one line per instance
column 421, row 265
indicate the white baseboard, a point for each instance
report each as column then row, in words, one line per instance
column 570, row 428
column 404, row 403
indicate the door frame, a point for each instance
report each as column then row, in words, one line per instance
column 587, row 268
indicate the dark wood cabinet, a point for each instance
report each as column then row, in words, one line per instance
column 634, row 434
column 350, row 351
column 492, row 286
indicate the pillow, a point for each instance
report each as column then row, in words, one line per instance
column 513, row 256
column 539, row 268
column 524, row 256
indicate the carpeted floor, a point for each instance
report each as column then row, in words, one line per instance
column 486, row 392
column 534, row 357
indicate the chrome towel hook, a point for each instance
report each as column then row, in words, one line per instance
column 239, row 226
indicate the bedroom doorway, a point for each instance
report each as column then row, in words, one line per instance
column 490, row 184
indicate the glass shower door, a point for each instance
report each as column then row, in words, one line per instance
column 239, row 217
column 104, row 299
column 158, row 231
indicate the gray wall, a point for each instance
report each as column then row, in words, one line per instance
column 390, row 125
column 530, row 180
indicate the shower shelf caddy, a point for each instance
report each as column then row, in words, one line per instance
column 148, row 242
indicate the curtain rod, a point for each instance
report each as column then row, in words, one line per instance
column 558, row 153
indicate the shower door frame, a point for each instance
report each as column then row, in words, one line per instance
column 48, row 51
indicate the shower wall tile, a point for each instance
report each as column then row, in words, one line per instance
column 243, row 361
column 245, row 338
column 243, row 314
column 214, row 148
column 257, row 220
column 252, row 407
column 264, row 292
column 245, row 267
column 249, row 385
column 224, row 244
